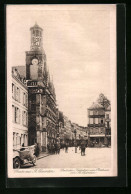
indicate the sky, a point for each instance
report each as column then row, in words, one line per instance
column 76, row 41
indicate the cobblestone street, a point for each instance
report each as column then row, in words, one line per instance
column 94, row 158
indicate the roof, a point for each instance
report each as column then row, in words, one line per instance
column 95, row 106
column 36, row 26
column 108, row 108
column 21, row 70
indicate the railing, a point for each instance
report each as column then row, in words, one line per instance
column 96, row 125
column 31, row 83
column 97, row 116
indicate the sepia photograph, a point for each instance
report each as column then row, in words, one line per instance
column 61, row 90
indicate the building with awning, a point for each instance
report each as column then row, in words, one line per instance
column 98, row 126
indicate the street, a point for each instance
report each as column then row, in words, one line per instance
column 94, row 158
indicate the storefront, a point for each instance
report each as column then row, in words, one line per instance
column 96, row 141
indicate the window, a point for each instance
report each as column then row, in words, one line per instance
column 17, row 113
column 96, row 120
column 24, row 118
column 17, row 139
column 107, row 116
column 13, row 113
column 24, row 99
column 37, row 32
column 91, row 112
column 91, row 120
column 101, row 112
column 101, row 121
column 13, row 91
column 14, row 143
column 95, row 112
column 17, row 94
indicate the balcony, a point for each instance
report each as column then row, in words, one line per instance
column 96, row 125
column 97, row 116
column 32, row 83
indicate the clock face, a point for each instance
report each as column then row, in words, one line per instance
column 35, row 61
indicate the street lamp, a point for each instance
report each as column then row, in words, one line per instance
column 75, row 141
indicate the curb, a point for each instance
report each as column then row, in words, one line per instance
column 43, row 156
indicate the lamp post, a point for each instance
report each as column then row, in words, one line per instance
column 75, row 141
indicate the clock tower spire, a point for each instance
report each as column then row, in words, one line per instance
column 35, row 58
column 36, row 38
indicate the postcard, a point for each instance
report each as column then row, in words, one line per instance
column 61, row 90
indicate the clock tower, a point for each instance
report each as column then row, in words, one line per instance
column 35, row 58
column 42, row 110
column 36, row 79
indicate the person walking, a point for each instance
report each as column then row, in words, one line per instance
column 55, row 147
column 58, row 147
column 48, row 147
column 36, row 150
column 66, row 147
column 83, row 149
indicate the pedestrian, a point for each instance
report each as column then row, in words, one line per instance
column 58, row 147
column 37, row 150
column 66, row 147
column 48, row 147
column 55, row 148
column 82, row 149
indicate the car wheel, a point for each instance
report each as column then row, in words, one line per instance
column 16, row 163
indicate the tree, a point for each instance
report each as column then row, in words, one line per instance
column 103, row 101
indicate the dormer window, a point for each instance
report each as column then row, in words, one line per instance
column 91, row 112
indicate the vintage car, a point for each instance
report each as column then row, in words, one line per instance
column 24, row 156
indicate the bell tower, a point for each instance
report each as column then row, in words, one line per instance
column 42, row 111
column 35, row 58
column 36, row 38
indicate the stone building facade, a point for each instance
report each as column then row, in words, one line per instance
column 67, row 130
column 97, row 130
column 79, row 132
column 43, row 112
column 61, row 126
column 108, row 124
column 19, row 109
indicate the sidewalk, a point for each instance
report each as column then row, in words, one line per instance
column 43, row 155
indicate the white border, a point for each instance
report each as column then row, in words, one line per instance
column 113, row 80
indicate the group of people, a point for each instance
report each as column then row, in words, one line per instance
column 53, row 148
column 82, row 147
